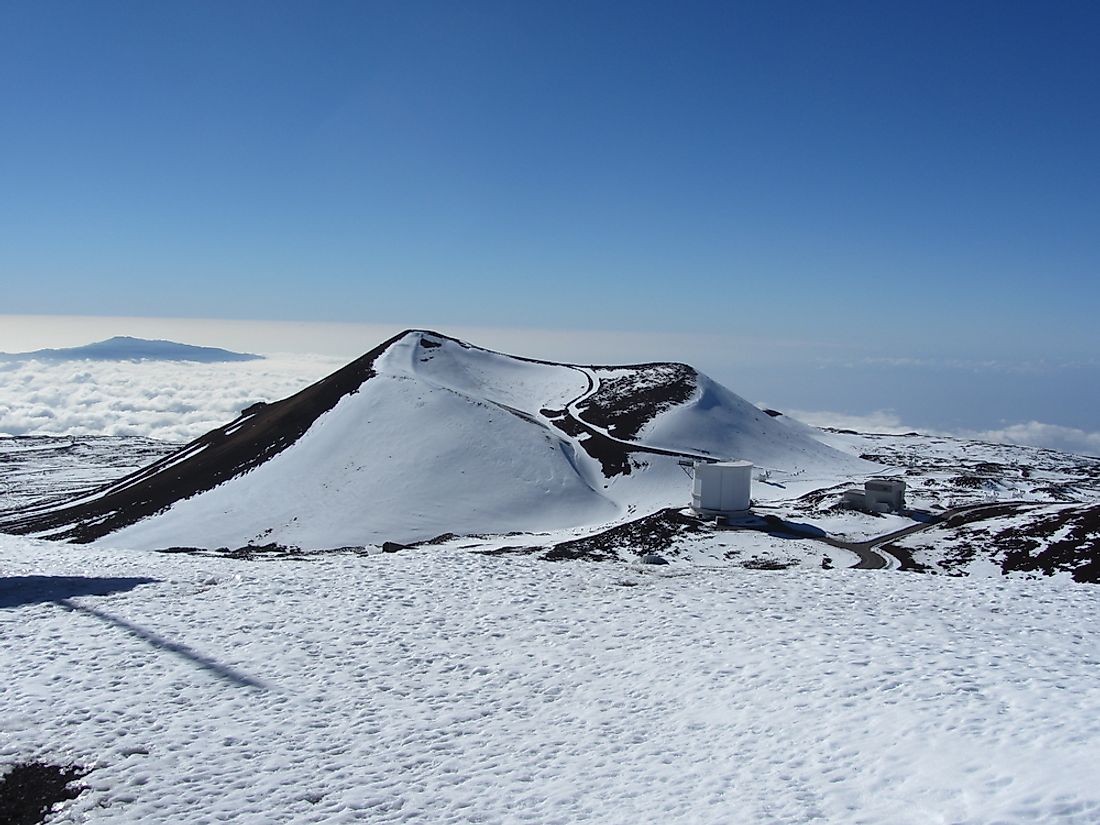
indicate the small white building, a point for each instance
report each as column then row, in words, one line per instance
column 879, row 495
column 721, row 488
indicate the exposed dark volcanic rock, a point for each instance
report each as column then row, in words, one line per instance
column 613, row 456
column 1066, row 540
column 905, row 556
column 623, row 404
column 765, row 564
column 28, row 791
column 654, row 533
column 210, row 460
column 1022, row 537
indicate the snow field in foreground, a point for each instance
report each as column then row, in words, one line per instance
column 443, row 687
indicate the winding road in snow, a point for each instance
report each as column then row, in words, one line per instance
column 872, row 557
column 592, row 430
column 869, row 551
column 634, row 446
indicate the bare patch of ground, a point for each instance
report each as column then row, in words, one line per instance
column 1065, row 540
column 655, row 533
column 624, row 404
column 29, row 790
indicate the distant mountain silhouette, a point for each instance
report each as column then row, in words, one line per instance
column 125, row 348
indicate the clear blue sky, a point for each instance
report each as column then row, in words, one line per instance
column 923, row 172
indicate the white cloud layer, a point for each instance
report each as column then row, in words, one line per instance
column 1030, row 433
column 180, row 401
column 880, row 421
column 168, row 400
column 1039, row 434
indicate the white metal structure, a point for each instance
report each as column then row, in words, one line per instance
column 721, row 488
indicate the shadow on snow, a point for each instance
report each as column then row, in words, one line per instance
column 20, row 591
column 17, row 591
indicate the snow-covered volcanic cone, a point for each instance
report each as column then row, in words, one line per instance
column 426, row 434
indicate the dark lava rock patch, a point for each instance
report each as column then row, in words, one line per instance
column 272, row 552
column 905, row 556
column 765, row 563
column 614, row 457
column 624, row 404
column 1065, row 539
column 29, row 790
column 652, row 534
column 1077, row 549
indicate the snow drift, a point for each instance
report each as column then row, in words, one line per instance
column 426, row 434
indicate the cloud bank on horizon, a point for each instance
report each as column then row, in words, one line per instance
column 1027, row 433
column 169, row 400
column 181, row 400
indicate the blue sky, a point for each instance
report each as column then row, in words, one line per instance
column 913, row 181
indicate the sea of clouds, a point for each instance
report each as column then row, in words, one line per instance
column 181, row 400
column 169, row 400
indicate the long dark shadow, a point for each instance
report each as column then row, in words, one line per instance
column 223, row 672
column 20, row 591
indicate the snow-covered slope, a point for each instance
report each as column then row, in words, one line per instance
column 439, row 687
column 427, row 435
column 718, row 422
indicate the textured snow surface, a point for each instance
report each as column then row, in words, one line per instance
column 439, row 687
column 37, row 467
